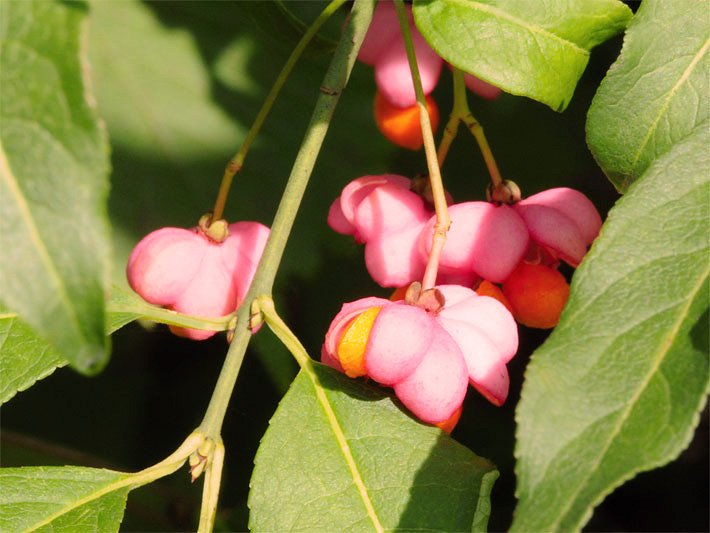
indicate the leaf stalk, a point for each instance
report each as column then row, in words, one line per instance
column 210, row 489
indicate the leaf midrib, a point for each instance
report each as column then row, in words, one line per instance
column 344, row 447
column 40, row 247
column 521, row 23
column 113, row 486
column 664, row 348
column 666, row 102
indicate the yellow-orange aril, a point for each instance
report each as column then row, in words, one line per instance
column 537, row 295
column 401, row 124
column 353, row 343
column 486, row 288
column 448, row 425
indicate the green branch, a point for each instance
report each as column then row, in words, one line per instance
column 334, row 82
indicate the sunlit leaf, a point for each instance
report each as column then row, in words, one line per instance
column 53, row 187
column 657, row 91
column 618, row 386
column 340, row 455
column 534, row 49
column 64, row 498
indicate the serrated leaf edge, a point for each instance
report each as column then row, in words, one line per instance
column 662, row 352
column 669, row 96
column 48, row 371
column 111, row 487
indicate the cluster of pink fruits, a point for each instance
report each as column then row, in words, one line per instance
column 396, row 113
column 487, row 242
column 427, row 345
column 499, row 264
column 519, row 246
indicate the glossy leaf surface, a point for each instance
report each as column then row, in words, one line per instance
column 532, row 49
column 656, row 93
column 618, row 386
column 340, row 455
column 53, row 187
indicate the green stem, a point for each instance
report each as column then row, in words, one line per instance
column 282, row 331
column 460, row 108
column 285, row 335
column 335, row 80
column 210, row 490
column 145, row 311
column 450, row 131
column 164, row 468
column 237, row 161
column 462, row 111
column 437, row 186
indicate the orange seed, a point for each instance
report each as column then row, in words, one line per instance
column 537, row 295
column 401, row 124
column 448, row 425
column 398, row 294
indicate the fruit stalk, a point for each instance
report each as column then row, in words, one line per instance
column 437, row 187
column 461, row 112
column 237, row 161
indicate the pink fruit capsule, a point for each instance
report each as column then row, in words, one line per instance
column 384, row 213
column 185, row 271
column 427, row 353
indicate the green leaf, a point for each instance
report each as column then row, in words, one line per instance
column 25, row 359
column 65, row 498
column 657, row 91
column 53, row 187
column 340, row 455
column 532, row 49
column 618, row 386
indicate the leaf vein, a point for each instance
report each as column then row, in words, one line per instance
column 35, row 236
column 345, row 449
column 660, row 356
column 669, row 96
column 520, row 22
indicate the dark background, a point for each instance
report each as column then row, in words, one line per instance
column 157, row 386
